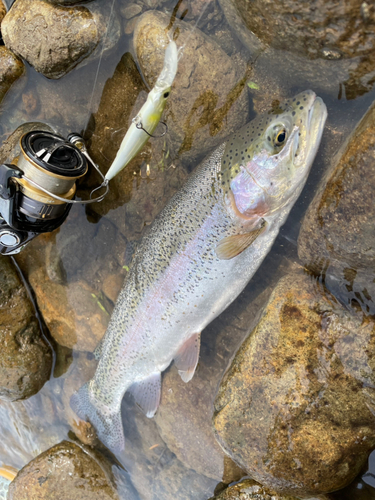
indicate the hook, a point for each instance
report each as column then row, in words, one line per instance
column 140, row 126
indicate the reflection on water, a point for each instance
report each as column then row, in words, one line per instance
column 77, row 271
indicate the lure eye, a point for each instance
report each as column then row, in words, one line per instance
column 281, row 137
column 166, row 95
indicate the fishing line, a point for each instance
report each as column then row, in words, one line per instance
column 38, row 316
column 100, row 60
column 173, row 19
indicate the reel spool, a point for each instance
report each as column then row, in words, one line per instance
column 37, row 190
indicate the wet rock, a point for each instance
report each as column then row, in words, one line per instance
column 174, row 481
column 67, row 270
column 3, row 10
column 74, row 314
column 184, row 423
column 130, row 10
column 328, row 46
column 296, row 407
column 11, row 68
column 207, row 101
column 154, row 470
column 250, row 490
column 25, row 358
column 337, row 239
column 82, row 370
column 53, row 38
column 65, row 471
column 337, row 27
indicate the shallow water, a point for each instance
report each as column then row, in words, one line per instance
column 30, row 427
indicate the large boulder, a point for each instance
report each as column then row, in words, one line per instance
column 25, row 357
column 208, row 100
column 53, row 38
column 337, row 238
column 65, row 471
column 328, row 45
column 295, row 408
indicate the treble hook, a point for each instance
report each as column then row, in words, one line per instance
column 140, row 126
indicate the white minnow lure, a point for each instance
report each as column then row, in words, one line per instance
column 149, row 116
column 197, row 257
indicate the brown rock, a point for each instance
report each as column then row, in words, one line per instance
column 25, row 358
column 65, row 471
column 3, row 10
column 214, row 105
column 68, row 310
column 250, row 490
column 337, row 239
column 11, row 68
column 295, row 407
column 67, row 269
column 325, row 45
column 312, row 29
column 54, row 38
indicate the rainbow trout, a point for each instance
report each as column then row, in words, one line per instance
column 197, row 257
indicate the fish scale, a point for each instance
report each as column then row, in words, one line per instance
column 196, row 258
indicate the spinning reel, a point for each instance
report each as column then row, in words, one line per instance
column 38, row 188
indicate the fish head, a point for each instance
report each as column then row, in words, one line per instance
column 267, row 160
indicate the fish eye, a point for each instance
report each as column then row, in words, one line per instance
column 166, row 94
column 281, row 137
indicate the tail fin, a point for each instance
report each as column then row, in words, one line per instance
column 108, row 424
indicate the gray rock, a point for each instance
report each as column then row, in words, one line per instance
column 184, row 423
column 337, row 239
column 154, row 470
column 25, row 357
column 296, row 407
column 130, row 10
column 65, row 471
column 53, row 38
column 207, row 101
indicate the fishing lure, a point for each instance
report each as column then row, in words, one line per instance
column 144, row 124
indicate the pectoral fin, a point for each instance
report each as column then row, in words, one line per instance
column 147, row 394
column 186, row 359
column 232, row 246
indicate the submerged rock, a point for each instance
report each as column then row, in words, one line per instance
column 337, row 238
column 250, row 490
column 155, row 471
column 53, row 38
column 296, row 407
column 25, row 357
column 329, row 44
column 65, row 471
column 11, row 68
column 184, row 423
column 208, row 100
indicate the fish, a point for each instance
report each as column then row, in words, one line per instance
column 197, row 257
column 144, row 124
